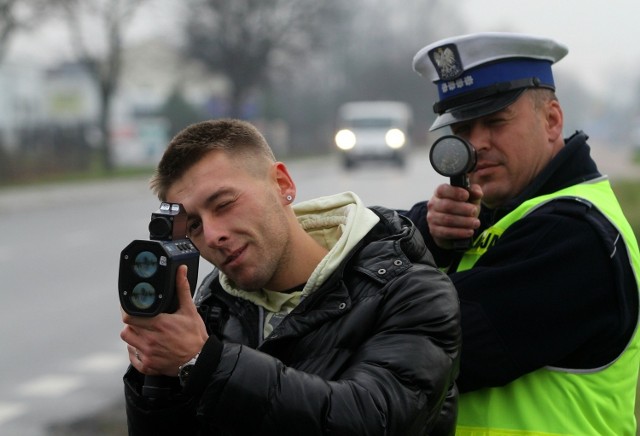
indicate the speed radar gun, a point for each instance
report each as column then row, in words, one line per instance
column 147, row 277
column 455, row 158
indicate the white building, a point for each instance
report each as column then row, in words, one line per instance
column 22, row 101
column 65, row 94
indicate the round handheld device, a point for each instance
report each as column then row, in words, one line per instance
column 454, row 157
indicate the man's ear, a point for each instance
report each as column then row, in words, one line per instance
column 554, row 120
column 286, row 185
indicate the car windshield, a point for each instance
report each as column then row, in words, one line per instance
column 371, row 122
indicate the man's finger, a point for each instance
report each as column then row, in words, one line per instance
column 183, row 289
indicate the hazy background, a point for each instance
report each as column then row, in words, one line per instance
column 601, row 36
column 90, row 88
column 106, row 83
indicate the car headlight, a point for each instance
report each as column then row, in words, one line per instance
column 395, row 138
column 345, row 139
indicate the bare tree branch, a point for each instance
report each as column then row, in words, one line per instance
column 17, row 15
column 247, row 40
column 105, row 67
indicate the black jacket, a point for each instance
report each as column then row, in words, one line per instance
column 548, row 293
column 373, row 351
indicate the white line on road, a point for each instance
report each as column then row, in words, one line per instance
column 60, row 385
column 103, row 362
column 11, row 410
column 51, row 386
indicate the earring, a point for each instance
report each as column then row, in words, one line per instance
column 289, row 198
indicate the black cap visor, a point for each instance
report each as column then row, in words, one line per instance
column 476, row 109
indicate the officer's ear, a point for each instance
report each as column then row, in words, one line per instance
column 554, row 120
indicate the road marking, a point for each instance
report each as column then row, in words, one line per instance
column 103, row 362
column 9, row 411
column 51, row 386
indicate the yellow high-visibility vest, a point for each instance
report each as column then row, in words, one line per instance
column 559, row 401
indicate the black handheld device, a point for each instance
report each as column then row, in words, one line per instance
column 147, row 275
column 454, row 157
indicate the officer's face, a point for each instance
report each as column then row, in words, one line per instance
column 513, row 146
column 237, row 216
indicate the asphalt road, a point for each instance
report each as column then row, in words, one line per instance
column 62, row 359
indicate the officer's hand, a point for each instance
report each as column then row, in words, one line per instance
column 453, row 213
column 159, row 345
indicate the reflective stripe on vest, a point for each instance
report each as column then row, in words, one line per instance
column 557, row 401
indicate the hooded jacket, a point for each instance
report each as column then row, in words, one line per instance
column 370, row 346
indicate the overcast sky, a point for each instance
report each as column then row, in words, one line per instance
column 603, row 37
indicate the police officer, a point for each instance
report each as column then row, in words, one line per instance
column 550, row 305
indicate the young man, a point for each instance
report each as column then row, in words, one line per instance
column 549, row 287
column 322, row 318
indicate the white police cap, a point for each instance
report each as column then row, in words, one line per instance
column 482, row 73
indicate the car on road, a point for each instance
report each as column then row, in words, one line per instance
column 373, row 130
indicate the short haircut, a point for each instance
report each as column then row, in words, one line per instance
column 540, row 96
column 233, row 136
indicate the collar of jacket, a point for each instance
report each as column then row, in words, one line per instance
column 386, row 252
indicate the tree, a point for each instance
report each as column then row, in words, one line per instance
column 85, row 19
column 17, row 15
column 378, row 65
column 250, row 40
column 179, row 112
column 369, row 60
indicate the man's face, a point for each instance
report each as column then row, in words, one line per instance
column 236, row 218
column 513, row 146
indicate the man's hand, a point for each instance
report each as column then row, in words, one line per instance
column 159, row 345
column 453, row 213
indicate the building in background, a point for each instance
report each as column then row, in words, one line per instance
column 22, row 102
column 39, row 106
